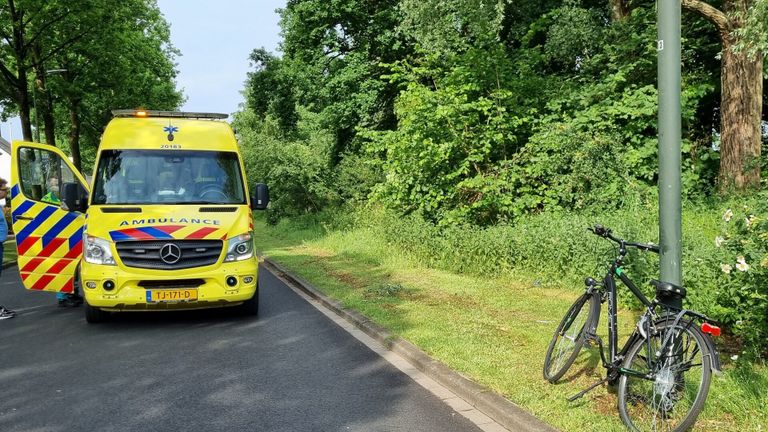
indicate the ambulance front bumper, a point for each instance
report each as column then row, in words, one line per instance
column 114, row 288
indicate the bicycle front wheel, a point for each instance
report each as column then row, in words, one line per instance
column 666, row 380
column 569, row 336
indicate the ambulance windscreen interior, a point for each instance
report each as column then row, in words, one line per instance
column 168, row 177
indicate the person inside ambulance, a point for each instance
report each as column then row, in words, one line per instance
column 52, row 197
column 166, row 187
column 210, row 181
column 115, row 189
column 128, row 182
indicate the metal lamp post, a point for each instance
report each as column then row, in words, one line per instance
column 670, row 206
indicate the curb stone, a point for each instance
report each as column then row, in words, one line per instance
column 490, row 403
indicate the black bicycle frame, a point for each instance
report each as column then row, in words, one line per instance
column 609, row 282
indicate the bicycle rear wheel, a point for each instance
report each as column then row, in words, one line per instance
column 672, row 381
column 569, row 336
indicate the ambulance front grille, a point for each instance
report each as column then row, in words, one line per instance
column 146, row 253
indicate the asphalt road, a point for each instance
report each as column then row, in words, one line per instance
column 289, row 369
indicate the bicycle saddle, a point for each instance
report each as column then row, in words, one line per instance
column 668, row 289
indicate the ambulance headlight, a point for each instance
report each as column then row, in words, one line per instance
column 239, row 247
column 97, row 251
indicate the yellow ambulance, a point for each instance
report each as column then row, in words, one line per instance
column 166, row 222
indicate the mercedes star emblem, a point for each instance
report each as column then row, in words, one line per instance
column 170, row 253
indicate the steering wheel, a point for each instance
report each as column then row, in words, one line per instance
column 215, row 191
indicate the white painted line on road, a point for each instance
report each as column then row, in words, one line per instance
column 461, row 406
column 17, row 310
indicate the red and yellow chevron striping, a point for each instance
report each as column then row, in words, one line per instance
column 49, row 243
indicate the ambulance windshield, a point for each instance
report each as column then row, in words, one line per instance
column 168, row 177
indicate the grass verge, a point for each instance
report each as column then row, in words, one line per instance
column 9, row 251
column 492, row 329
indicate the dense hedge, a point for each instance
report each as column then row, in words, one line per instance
column 557, row 249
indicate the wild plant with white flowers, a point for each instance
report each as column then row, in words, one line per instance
column 742, row 257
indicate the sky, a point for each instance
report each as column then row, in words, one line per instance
column 215, row 39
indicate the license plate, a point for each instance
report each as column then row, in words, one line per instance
column 171, row 295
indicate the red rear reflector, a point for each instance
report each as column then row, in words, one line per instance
column 710, row 329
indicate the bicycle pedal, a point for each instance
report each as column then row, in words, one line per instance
column 592, row 340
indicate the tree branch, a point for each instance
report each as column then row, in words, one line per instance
column 63, row 46
column 43, row 28
column 8, row 76
column 716, row 16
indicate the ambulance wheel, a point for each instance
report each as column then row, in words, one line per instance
column 251, row 306
column 94, row 315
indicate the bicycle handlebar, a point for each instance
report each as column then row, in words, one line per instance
column 604, row 232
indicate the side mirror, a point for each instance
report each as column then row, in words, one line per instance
column 260, row 200
column 74, row 197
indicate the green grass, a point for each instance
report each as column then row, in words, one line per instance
column 9, row 251
column 492, row 329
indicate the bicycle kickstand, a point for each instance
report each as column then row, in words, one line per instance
column 583, row 392
column 593, row 338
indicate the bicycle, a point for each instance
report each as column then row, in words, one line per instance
column 664, row 369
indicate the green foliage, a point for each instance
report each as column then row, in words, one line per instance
column 455, row 127
column 85, row 57
column 591, row 151
column 555, row 248
column 551, row 245
column 451, row 26
column 334, row 51
column 754, row 35
column 296, row 171
column 474, row 112
column 574, row 36
column 269, row 90
column 356, row 176
column 741, row 300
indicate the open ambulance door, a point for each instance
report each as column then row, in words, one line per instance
column 49, row 239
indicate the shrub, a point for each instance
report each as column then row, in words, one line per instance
column 741, row 297
column 555, row 248
column 297, row 171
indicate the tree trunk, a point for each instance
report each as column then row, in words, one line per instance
column 74, row 133
column 44, row 106
column 619, row 10
column 24, row 111
column 19, row 81
column 741, row 110
column 48, row 120
column 741, row 103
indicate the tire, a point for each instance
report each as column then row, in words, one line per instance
column 95, row 315
column 250, row 307
column 673, row 399
column 569, row 336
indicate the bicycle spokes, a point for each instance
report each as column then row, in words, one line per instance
column 569, row 337
column 670, row 385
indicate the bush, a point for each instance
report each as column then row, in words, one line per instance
column 554, row 245
column 741, row 297
column 556, row 248
column 297, row 171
